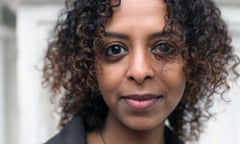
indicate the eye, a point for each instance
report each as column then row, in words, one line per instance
column 163, row 48
column 115, row 50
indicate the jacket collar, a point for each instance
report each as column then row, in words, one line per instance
column 74, row 133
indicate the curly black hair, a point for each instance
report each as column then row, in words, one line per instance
column 69, row 66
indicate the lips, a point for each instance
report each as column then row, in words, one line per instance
column 141, row 102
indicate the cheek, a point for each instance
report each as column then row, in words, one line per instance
column 175, row 79
column 109, row 79
column 175, row 82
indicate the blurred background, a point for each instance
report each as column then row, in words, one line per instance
column 26, row 115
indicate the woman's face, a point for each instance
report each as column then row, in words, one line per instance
column 140, row 75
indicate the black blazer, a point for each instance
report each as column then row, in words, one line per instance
column 74, row 133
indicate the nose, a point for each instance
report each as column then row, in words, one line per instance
column 140, row 67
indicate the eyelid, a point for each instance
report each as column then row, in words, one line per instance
column 114, row 43
column 172, row 45
column 165, row 42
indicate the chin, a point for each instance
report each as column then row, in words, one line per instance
column 144, row 124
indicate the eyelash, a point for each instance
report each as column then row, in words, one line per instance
column 119, row 48
column 164, row 48
column 160, row 49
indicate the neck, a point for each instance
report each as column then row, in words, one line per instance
column 114, row 132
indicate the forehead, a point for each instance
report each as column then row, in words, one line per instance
column 134, row 13
column 140, row 7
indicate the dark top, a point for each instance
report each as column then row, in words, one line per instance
column 74, row 133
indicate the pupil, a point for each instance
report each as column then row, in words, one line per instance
column 116, row 50
column 165, row 49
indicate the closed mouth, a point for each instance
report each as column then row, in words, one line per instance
column 142, row 98
column 141, row 102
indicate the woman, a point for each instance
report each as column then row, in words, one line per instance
column 137, row 72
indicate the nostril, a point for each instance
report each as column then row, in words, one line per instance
column 139, row 80
column 140, row 69
column 147, row 77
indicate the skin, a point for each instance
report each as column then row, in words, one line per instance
column 130, row 70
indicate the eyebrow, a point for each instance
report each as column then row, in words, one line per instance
column 156, row 35
column 117, row 35
column 151, row 36
column 163, row 33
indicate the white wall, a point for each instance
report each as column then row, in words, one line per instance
column 7, row 44
column 2, row 121
column 225, row 127
column 35, row 120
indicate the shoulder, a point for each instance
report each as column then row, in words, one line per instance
column 72, row 133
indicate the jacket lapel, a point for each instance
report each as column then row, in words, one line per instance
column 72, row 133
